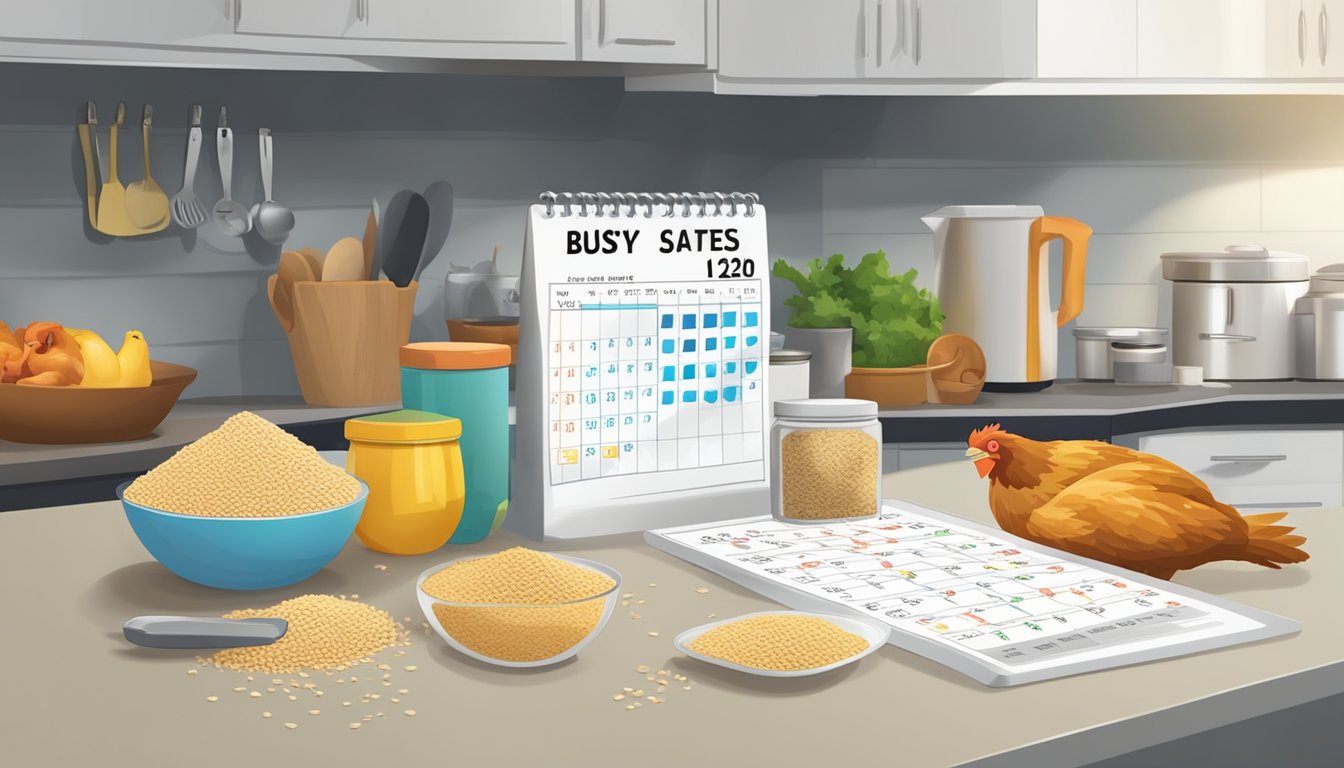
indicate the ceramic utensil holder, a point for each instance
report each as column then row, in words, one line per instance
column 345, row 340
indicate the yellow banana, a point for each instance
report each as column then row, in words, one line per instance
column 101, row 366
column 134, row 361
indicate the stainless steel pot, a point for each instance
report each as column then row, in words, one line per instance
column 1097, row 351
column 1232, row 311
column 1318, row 331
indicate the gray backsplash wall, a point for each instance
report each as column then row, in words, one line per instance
column 838, row 174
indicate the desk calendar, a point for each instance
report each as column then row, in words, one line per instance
column 1003, row 610
column 643, row 350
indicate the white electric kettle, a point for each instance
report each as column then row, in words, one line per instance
column 993, row 282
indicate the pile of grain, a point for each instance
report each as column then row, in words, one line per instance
column 561, row 603
column 325, row 632
column 248, row 467
column 828, row 473
column 780, row 642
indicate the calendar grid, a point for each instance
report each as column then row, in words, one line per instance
column 654, row 377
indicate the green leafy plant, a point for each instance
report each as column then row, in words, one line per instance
column 894, row 322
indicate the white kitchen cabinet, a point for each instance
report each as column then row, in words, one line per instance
column 908, row 39
column 792, row 39
column 1201, row 39
column 952, row 39
column 501, row 23
column 1258, row 468
column 160, row 22
column 1301, row 40
column 643, row 31
column 1080, row 39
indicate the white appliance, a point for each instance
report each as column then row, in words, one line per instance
column 1232, row 311
column 1318, row 330
column 993, row 282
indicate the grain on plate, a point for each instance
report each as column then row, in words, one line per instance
column 780, row 642
column 518, row 604
column 248, row 467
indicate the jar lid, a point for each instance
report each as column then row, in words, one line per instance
column 454, row 355
column 403, row 426
column 789, row 356
column 1235, row 264
column 825, row 408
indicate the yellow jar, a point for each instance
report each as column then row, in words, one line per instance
column 412, row 464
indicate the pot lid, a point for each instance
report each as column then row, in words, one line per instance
column 990, row 212
column 1328, row 279
column 789, row 356
column 1235, row 264
column 825, row 408
column 1124, row 335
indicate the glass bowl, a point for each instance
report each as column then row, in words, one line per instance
column 520, row 634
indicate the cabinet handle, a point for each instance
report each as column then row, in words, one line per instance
column 1280, row 505
column 878, row 45
column 1225, row 337
column 1231, row 297
column 1301, row 36
column 1265, row 459
column 919, row 31
column 1323, row 34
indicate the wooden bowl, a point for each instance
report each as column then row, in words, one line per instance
column 961, row 372
column 72, row 415
column 489, row 330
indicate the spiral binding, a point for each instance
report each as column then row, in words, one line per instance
column 598, row 204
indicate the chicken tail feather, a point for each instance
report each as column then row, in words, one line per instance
column 1270, row 544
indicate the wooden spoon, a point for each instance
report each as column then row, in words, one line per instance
column 345, row 261
column 282, row 302
column 112, row 218
column 314, row 258
column 370, row 243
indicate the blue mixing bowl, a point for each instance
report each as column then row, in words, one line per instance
column 244, row 552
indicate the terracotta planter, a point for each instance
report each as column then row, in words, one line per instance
column 889, row 387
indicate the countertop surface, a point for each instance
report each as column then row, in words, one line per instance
column 80, row 694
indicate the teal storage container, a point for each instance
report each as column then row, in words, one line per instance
column 469, row 382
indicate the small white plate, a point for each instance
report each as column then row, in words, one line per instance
column 875, row 634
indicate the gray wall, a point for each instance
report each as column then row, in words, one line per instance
column 838, row 174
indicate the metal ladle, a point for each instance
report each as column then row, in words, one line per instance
column 273, row 221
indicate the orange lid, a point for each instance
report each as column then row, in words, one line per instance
column 454, row 355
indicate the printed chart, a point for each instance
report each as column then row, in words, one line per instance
column 1000, row 609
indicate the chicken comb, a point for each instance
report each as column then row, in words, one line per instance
column 983, row 432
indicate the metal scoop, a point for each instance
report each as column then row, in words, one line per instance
column 192, row 632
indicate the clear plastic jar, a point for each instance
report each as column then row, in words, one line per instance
column 827, row 460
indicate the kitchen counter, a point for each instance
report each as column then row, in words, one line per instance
column 1077, row 410
column 81, row 694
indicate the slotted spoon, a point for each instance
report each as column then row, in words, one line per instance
column 188, row 211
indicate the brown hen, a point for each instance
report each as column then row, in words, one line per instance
column 1120, row 506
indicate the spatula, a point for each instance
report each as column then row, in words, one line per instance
column 93, row 178
column 191, row 632
column 401, row 236
column 112, row 218
column 146, row 203
column 439, row 195
column 345, row 261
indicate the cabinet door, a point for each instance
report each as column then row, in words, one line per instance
column 643, row 31
column 161, row 22
column 1327, row 36
column 1286, row 39
column 502, row 22
column 298, row 18
column 1085, row 39
column 1201, row 39
column 792, row 39
column 954, row 39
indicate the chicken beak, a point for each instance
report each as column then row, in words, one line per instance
column 984, row 462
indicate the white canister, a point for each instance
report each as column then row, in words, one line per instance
column 789, row 372
column 826, row 460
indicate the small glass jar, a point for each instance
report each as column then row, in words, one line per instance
column 412, row 463
column 827, row 460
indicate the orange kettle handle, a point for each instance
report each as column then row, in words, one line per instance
column 1075, row 235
